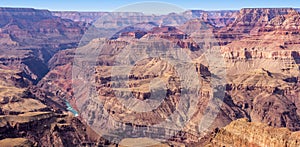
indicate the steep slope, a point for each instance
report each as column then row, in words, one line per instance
column 262, row 66
column 259, row 88
column 260, row 50
column 219, row 18
column 249, row 21
column 11, row 142
column 244, row 133
column 31, row 37
column 29, row 120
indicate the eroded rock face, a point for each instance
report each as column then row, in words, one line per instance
column 280, row 42
column 31, row 37
column 267, row 98
column 29, row 119
column 253, row 22
column 261, row 66
column 46, row 128
column 16, row 142
column 88, row 17
column 216, row 18
column 243, row 133
column 262, row 81
column 261, row 58
column 250, row 19
column 24, row 25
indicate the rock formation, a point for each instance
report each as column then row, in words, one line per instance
column 256, row 47
column 243, row 133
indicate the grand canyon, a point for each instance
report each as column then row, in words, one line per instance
column 225, row 78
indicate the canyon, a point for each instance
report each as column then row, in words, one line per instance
column 200, row 78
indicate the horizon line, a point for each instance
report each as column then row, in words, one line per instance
column 192, row 9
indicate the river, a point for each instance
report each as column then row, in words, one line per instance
column 71, row 109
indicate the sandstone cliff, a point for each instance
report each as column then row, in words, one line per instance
column 244, row 133
column 31, row 37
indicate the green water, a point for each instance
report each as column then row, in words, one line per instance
column 71, row 109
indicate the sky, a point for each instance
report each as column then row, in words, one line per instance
column 111, row 5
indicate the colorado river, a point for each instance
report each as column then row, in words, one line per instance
column 71, row 109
